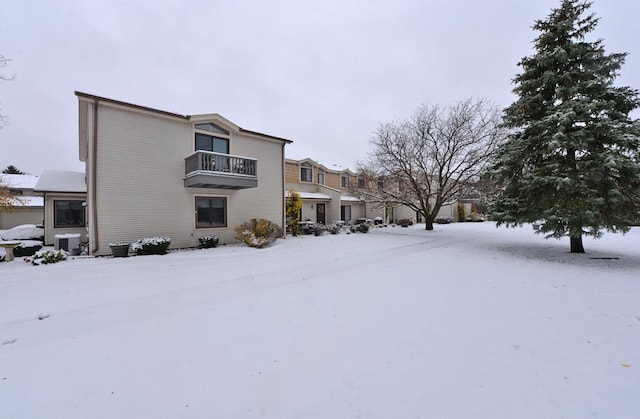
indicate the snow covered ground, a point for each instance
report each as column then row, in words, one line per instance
column 467, row 321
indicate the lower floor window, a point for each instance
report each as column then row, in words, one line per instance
column 68, row 214
column 211, row 212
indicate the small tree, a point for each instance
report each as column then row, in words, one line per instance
column 8, row 201
column 294, row 211
column 573, row 157
column 432, row 158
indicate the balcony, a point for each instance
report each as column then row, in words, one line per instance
column 205, row 169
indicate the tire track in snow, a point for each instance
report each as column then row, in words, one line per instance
column 166, row 303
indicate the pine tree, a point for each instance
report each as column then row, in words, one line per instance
column 573, row 156
column 12, row 170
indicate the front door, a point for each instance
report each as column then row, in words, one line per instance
column 345, row 213
column 320, row 215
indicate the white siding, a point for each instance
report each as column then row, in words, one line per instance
column 21, row 215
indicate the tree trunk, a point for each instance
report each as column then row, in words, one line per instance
column 576, row 245
column 428, row 224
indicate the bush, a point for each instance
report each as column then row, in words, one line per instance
column 208, row 242
column 359, row 228
column 334, row 228
column 258, row 232
column 462, row 213
column 151, row 246
column 45, row 257
column 294, row 211
column 443, row 220
column 318, row 229
column 405, row 222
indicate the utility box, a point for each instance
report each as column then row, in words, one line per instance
column 67, row 242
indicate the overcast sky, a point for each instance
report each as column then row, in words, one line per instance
column 323, row 74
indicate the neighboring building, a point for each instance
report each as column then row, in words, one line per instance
column 156, row 173
column 375, row 190
column 65, row 195
column 324, row 192
column 30, row 206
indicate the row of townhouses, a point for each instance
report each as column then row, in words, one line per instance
column 150, row 172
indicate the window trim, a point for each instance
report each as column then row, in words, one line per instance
column 344, row 176
column 211, row 197
column 310, row 169
column 55, row 214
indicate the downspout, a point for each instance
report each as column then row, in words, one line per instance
column 94, row 182
column 284, row 199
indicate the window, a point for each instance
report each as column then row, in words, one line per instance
column 211, row 212
column 211, row 143
column 210, row 137
column 68, row 214
column 361, row 183
column 320, row 177
column 380, row 184
column 344, row 180
column 306, row 173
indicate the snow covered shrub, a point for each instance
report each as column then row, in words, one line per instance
column 45, row 257
column 318, row 229
column 333, row 228
column 207, row 242
column 151, row 246
column 359, row 228
column 258, row 232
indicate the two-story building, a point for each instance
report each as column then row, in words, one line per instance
column 155, row 173
column 324, row 192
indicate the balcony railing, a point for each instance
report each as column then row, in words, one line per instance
column 206, row 169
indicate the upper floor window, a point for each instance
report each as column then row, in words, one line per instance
column 210, row 137
column 344, row 180
column 68, row 214
column 320, row 177
column 380, row 184
column 306, row 173
column 361, row 183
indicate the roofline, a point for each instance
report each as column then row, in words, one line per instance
column 259, row 134
column 131, row 105
column 172, row 114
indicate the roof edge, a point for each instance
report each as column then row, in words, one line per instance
column 131, row 105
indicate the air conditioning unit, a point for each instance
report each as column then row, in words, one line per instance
column 66, row 242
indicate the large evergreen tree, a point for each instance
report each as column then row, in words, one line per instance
column 572, row 158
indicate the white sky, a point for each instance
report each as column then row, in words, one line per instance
column 323, row 74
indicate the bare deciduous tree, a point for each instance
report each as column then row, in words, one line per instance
column 432, row 158
column 3, row 62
